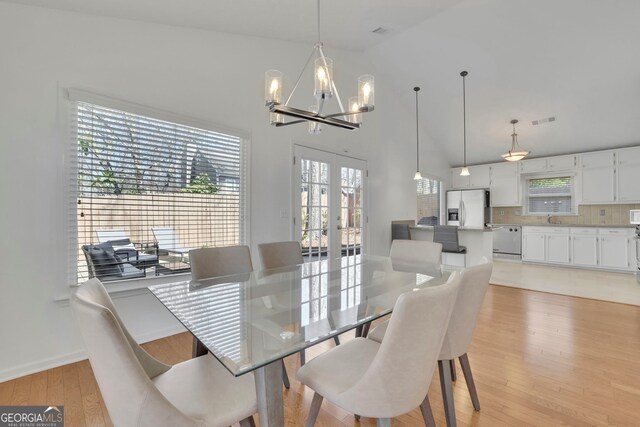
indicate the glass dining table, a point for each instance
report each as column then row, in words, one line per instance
column 251, row 321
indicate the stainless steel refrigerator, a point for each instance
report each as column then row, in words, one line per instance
column 468, row 208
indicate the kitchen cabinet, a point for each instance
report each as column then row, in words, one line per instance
column 457, row 181
column 598, row 159
column 533, row 247
column 479, row 177
column 558, row 248
column 584, row 247
column 614, row 248
column 549, row 164
column 598, row 185
column 562, row 163
column 505, row 184
column 628, row 172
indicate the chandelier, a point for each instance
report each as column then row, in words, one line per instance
column 516, row 153
column 324, row 88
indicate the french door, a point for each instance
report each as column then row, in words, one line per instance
column 329, row 216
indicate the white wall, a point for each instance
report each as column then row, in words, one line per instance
column 205, row 75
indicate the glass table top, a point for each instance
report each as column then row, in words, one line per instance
column 250, row 320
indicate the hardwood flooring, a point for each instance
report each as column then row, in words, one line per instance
column 538, row 360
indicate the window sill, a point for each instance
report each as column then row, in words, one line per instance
column 127, row 288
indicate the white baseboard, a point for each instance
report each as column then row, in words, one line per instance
column 75, row 356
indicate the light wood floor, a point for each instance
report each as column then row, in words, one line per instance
column 538, row 359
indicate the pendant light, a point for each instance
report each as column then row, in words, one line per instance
column 465, row 169
column 417, row 176
column 324, row 89
column 516, row 153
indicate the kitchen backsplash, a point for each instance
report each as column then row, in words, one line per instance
column 587, row 215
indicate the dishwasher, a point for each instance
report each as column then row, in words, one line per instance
column 507, row 241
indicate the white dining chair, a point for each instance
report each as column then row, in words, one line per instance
column 280, row 254
column 388, row 379
column 473, row 287
column 223, row 261
column 416, row 251
column 139, row 390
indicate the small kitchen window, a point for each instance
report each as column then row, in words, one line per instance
column 428, row 191
column 552, row 195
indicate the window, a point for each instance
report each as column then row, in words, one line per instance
column 550, row 195
column 428, row 201
column 148, row 190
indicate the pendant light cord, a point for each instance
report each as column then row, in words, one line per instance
column 319, row 22
column 416, row 89
column 464, row 116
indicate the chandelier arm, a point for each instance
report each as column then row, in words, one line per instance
column 300, row 76
column 345, row 113
column 333, row 84
column 320, row 105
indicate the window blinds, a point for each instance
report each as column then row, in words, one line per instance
column 428, row 191
column 147, row 190
column 550, row 195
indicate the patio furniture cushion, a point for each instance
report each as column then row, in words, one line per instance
column 104, row 259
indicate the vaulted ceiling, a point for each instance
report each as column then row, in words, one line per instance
column 575, row 60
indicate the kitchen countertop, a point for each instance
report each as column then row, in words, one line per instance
column 563, row 225
column 430, row 228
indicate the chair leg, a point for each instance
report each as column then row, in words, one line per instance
column 468, row 377
column 248, row 422
column 427, row 414
column 383, row 422
column 303, row 358
column 357, row 417
column 447, row 392
column 285, row 376
column 314, row 410
column 454, row 377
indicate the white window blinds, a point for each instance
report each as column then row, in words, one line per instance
column 147, row 190
column 550, row 195
column 428, row 201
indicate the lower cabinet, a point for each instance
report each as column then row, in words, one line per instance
column 584, row 250
column 533, row 247
column 558, row 248
column 607, row 248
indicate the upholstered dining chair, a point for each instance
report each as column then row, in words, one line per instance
column 416, row 251
column 473, row 287
column 224, row 261
column 387, row 379
column 280, row 254
column 139, row 390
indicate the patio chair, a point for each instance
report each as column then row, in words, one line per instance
column 126, row 249
column 106, row 265
column 168, row 241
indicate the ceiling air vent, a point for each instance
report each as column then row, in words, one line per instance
column 379, row 30
column 541, row 121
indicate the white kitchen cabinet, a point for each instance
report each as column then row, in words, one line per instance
column 628, row 174
column 598, row 185
column 480, row 176
column 457, row 181
column 562, row 163
column 614, row 252
column 584, row 250
column 533, row 166
column 533, row 247
column 598, row 159
column 558, row 248
column 505, row 184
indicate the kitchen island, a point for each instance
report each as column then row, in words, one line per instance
column 477, row 240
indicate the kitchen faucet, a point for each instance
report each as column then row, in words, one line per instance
column 549, row 219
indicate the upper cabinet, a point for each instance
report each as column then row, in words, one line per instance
column 479, row 177
column 611, row 176
column 549, row 164
column 505, row 184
